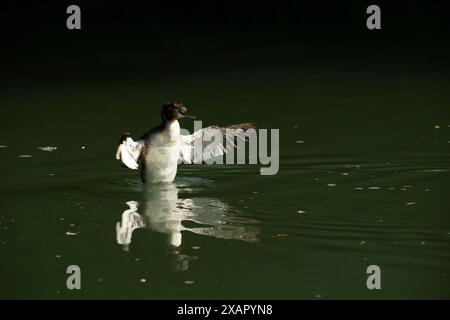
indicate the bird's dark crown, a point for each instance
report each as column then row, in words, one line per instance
column 173, row 110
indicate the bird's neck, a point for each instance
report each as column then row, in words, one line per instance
column 171, row 123
column 172, row 129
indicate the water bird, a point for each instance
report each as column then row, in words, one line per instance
column 158, row 151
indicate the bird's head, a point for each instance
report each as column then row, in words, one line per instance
column 174, row 111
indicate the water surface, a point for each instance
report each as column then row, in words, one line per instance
column 363, row 179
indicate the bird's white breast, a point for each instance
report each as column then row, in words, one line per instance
column 161, row 159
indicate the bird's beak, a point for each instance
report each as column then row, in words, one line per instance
column 189, row 116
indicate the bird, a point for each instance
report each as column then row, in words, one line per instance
column 158, row 152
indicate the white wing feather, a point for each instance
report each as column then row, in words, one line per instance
column 129, row 151
column 211, row 142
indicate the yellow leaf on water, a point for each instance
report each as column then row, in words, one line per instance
column 282, row 235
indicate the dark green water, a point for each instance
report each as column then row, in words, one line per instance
column 363, row 179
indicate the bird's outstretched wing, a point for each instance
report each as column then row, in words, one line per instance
column 129, row 151
column 214, row 141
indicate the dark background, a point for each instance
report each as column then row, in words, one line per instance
column 170, row 35
column 369, row 103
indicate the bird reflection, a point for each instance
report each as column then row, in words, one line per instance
column 164, row 212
